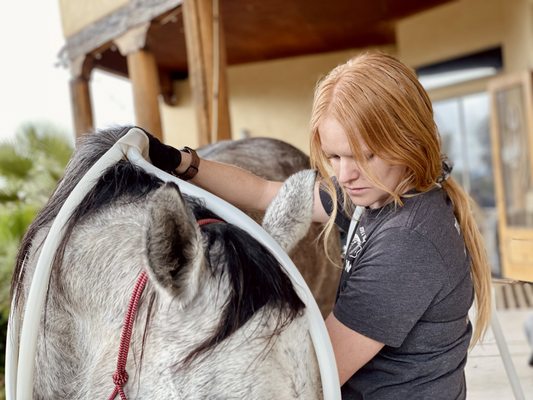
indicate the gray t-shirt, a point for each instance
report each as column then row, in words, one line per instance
column 407, row 284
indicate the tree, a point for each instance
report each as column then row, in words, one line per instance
column 30, row 166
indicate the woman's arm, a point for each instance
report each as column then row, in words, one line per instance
column 234, row 184
column 352, row 350
column 240, row 187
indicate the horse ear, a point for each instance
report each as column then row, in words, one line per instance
column 173, row 245
column 288, row 217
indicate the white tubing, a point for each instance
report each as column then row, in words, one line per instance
column 39, row 285
column 134, row 145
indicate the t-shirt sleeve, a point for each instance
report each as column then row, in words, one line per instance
column 391, row 286
column 341, row 219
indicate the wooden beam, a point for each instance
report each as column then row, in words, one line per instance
column 80, row 94
column 205, row 69
column 197, row 72
column 82, row 112
column 142, row 70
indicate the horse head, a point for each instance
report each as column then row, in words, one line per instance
column 217, row 318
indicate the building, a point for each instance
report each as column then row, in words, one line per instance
column 264, row 58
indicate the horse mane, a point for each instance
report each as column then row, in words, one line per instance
column 256, row 278
column 89, row 149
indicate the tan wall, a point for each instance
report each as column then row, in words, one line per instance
column 518, row 44
column 271, row 99
column 467, row 26
column 179, row 122
column 77, row 14
column 450, row 30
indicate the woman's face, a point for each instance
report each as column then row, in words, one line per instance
column 360, row 190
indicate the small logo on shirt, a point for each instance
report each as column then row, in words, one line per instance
column 354, row 249
column 363, row 234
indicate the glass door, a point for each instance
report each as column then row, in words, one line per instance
column 512, row 124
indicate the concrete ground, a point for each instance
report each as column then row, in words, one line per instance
column 485, row 373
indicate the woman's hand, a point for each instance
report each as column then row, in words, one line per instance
column 163, row 156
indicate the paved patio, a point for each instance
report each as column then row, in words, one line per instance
column 485, row 373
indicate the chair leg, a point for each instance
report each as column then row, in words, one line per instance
column 528, row 328
column 506, row 356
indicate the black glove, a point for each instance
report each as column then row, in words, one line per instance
column 163, row 156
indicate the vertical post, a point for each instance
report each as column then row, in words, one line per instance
column 80, row 95
column 80, row 98
column 207, row 69
column 142, row 70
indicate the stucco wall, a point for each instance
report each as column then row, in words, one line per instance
column 271, row 98
column 467, row 26
column 77, row 14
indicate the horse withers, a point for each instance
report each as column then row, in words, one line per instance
column 218, row 317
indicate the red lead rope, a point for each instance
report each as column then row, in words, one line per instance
column 120, row 377
column 207, row 221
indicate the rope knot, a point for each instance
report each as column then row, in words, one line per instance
column 120, row 378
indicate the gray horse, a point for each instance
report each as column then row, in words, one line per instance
column 218, row 318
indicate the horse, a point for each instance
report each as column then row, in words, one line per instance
column 217, row 319
column 276, row 160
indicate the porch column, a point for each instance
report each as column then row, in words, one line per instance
column 206, row 58
column 80, row 96
column 142, row 70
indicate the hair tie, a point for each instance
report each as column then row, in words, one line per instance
column 447, row 167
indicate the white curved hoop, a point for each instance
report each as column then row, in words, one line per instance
column 20, row 357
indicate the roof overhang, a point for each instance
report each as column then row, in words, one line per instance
column 254, row 30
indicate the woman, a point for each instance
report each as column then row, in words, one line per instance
column 399, row 327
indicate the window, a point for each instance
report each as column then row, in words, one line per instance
column 466, row 68
column 463, row 123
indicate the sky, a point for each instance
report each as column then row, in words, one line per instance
column 33, row 87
